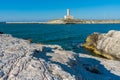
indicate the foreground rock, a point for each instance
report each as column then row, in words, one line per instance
column 106, row 45
column 22, row 60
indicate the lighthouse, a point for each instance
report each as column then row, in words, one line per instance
column 68, row 16
column 68, row 12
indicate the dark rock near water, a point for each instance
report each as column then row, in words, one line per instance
column 1, row 32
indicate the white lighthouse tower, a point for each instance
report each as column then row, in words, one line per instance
column 68, row 12
column 68, row 16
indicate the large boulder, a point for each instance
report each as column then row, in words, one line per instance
column 106, row 45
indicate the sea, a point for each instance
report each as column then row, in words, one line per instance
column 69, row 36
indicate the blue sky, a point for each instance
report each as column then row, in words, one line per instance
column 36, row 10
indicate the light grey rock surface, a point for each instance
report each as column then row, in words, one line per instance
column 110, row 43
column 106, row 69
column 22, row 60
column 105, row 44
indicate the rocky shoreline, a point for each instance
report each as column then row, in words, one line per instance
column 22, row 60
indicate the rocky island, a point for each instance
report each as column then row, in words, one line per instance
column 22, row 60
column 80, row 21
column 68, row 19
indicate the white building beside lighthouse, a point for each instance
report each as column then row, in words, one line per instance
column 68, row 16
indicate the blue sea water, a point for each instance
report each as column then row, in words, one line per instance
column 66, row 35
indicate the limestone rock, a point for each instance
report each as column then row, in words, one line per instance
column 106, row 45
column 22, row 60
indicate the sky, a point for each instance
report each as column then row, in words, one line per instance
column 40, row 10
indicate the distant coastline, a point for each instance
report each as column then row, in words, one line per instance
column 23, row 22
column 69, row 21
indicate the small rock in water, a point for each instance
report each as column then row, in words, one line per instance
column 1, row 32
